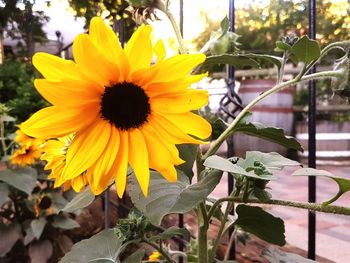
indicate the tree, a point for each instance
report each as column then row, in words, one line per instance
column 113, row 10
column 262, row 23
column 21, row 23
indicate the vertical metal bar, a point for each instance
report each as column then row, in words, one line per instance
column 120, row 29
column 312, row 140
column 106, row 207
column 181, row 216
column 230, row 152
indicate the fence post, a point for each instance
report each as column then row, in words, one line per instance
column 312, row 140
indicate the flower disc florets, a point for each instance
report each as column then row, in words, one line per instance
column 125, row 105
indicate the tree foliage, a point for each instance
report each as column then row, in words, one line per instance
column 17, row 89
column 113, row 10
column 262, row 23
column 20, row 22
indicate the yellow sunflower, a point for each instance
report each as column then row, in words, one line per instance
column 122, row 109
column 55, row 155
column 25, row 155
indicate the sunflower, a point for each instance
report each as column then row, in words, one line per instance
column 25, row 141
column 122, row 109
column 25, row 155
column 55, row 155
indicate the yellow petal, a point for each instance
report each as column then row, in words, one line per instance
column 178, row 66
column 180, row 102
column 159, row 88
column 101, row 176
column 172, row 149
column 78, row 183
column 54, row 122
column 86, row 147
column 69, row 93
column 92, row 61
column 170, row 132
column 107, row 41
column 139, row 49
column 138, row 159
column 191, row 123
column 56, row 68
column 160, row 51
column 160, row 158
column 120, row 165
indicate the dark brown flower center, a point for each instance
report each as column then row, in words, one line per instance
column 125, row 105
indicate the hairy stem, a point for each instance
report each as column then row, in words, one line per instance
column 319, row 75
column 319, row 207
column 164, row 8
column 2, row 136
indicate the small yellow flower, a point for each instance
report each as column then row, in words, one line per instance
column 25, row 155
column 122, row 109
column 25, row 141
column 154, row 257
column 55, row 155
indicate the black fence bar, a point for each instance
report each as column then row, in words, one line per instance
column 230, row 151
column 106, row 208
column 181, row 216
column 312, row 140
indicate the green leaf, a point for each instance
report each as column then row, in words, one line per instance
column 102, row 246
column 238, row 61
column 222, row 164
column 260, row 223
column 282, row 47
column 135, row 257
column 272, row 59
column 37, row 226
column 167, row 198
column 80, row 201
column 225, row 25
column 60, row 221
column 9, row 234
column 188, row 153
column 343, row 183
column 272, row 160
column 262, row 194
column 273, row 254
column 272, row 134
column 23, row 179
column 171, row 232
column 306, row 50
column 4, row 192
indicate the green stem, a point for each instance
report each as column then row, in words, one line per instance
column 164, row 8
column 281, row 69
column 161, row 251
column 2, row 135
column 319, row 207
column 326, row 50
column 333, row 199
column 202, row 236
column 319, row 75
column 223, row 221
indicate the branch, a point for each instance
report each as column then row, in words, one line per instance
column 318, row 207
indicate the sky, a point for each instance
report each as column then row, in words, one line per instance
column 62, row 18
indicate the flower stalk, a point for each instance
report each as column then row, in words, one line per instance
column 318, row 207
